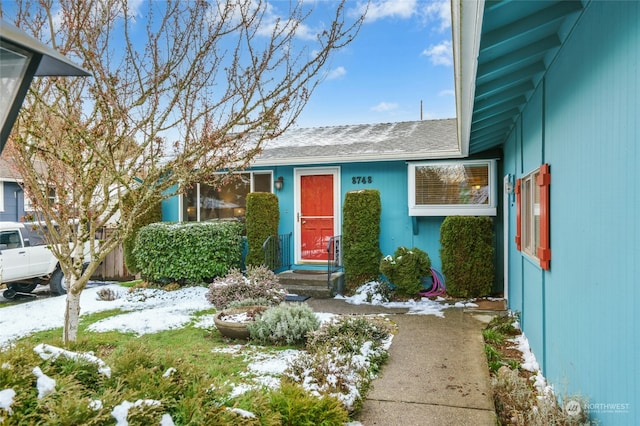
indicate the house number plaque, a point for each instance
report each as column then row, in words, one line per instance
column 361, row 180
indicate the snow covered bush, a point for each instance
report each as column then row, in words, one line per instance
column 287, row 324
column 258, row 283
column 343, row 358
column 406, row 269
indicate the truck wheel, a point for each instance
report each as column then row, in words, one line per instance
column 57, row 283
column 23, row 287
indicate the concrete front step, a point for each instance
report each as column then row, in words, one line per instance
column 312, row 283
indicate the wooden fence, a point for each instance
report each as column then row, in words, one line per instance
column 113, row 267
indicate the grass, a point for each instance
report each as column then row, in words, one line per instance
column 185, row 373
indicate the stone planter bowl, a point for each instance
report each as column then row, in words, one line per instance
column 235, row 329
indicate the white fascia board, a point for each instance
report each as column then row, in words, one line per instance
column 466, row 27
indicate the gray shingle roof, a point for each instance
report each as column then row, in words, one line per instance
column 411, row 140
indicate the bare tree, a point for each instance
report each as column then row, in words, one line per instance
column 180, row 90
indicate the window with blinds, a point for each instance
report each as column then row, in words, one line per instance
column 446, row 189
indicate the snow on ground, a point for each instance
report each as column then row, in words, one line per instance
column 143, row 307
column 366, row 294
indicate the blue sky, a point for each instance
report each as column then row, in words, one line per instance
column 402, row 56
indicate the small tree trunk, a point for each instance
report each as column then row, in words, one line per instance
column 71, row 313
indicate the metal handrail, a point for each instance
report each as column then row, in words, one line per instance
column 277, row 252
column 334, row 257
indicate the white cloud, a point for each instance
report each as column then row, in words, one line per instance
column 336, row 73
column 380, row 9
column 384, row 107
column 440, row 54
column 447, row 92
column 438, row 11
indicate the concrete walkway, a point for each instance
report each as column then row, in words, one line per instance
column 437, row 371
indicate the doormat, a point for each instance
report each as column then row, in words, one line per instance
column 296, row 298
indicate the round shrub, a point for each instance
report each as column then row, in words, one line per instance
column 286, row 324
column 406, row 269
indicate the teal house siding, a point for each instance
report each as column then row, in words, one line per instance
column 375, row 156
column 581, row 316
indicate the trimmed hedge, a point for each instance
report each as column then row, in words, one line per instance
column 361, row 237
column 263, row 216
column 466, row 251
column 188, row 253
column 153, row 215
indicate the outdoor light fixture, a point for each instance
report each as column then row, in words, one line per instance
column 21, row 58
column 279, row 183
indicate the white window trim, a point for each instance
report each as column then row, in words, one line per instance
column 454, row 209
column 530, row 210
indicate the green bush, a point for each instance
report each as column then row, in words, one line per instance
column 153, row 215
column 263, row 215
column 466, row 251
column 361, row 237
column 286, row 324
column 406, row 269
column 299, row 407
column 188, row 253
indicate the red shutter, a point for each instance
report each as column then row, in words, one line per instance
column 544, row 251
column 518, row 214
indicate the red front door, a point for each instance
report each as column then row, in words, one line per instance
column 316, row 215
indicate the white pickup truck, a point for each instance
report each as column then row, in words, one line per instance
column 27, row 261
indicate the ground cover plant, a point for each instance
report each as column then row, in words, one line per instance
column 521, row 395
column 186, row 374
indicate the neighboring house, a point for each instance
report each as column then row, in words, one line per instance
column 556, row 86
column 316, row 168
column 12, row 199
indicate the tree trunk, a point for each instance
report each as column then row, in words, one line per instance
column 71, row 314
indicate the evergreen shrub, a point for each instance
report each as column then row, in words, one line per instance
column 406, row 269
column 467, row 254
column 152, row 215
column 188, row 253
column 263, row 216
column 298, row 406
column 361, row 237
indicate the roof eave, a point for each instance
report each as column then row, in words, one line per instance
column 373, row 157
column 466, row 27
